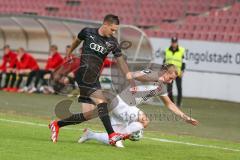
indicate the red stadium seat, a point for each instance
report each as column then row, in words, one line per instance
column 219, row 37
column 207, row 19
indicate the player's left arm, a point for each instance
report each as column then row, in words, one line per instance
column 122, row 64
column 142, row 77
column 171, row 106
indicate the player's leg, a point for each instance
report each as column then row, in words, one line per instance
column 102, row 137
column 0, row 79
column 131, row 115
column 137, row 121
column 179, row 90
column 30, row 77
column 88, row 105
column 13, row 80
column 77, row 118
column 7, row 78
column 121, row 117
column 71, row 119
column 102, row 107
column 38, row 76
column 88, row 134
column 89, row 111
column 44, row 81
column 124, row 127
column 19, row 81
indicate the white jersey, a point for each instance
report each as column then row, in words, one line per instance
column 125, row 104
column 145, row 91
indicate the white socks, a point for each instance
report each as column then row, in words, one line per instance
column 102, row 137
column 133, row 127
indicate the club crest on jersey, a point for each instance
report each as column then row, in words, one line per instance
column 92, row 37
column 110, row 46
column 97, row 47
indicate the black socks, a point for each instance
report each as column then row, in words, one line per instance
column 103, row 115
column 72, row 120
column 79, row 118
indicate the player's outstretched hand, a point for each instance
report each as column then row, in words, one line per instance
column 192, row 121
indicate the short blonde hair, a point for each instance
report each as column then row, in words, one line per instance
column 170, row 68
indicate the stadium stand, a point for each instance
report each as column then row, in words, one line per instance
column 212, row 20
column 216, row 25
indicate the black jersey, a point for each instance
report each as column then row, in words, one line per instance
column 95, row 50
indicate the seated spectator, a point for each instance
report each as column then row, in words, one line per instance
column 54, row 60
column 64, row 75
column 8, row 67
column 0, row 79
column 26, row 66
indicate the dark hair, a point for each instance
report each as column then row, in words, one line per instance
column 6, row 46
column 111, row 19
column 174, row 39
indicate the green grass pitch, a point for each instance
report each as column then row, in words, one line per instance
column 24, row 133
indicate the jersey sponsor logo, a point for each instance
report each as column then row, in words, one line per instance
column 97, row 47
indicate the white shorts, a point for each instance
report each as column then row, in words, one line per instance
column 123, row 114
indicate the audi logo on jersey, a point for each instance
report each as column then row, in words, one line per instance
column 97, row 47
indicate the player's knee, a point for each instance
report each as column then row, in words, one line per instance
column 98, row 101
column 145, row 122
column 143, row 119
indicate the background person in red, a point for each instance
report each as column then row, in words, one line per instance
column 8, row 67
column 27, row 66
column 54, row 60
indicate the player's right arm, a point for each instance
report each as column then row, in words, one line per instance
column 122, row 64
column 171, row 106
column 80, row 37
column 74, row 45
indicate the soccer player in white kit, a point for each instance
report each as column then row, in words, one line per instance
column 126, row 118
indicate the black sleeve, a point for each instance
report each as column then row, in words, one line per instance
column 117, row 50
column 164, row 58
column 183, row 65
column 82, row 34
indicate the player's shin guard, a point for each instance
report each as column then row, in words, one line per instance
column 103, row 115
column 72, row 120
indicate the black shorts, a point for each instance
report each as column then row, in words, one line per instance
column 86, row 91
column 86, row 87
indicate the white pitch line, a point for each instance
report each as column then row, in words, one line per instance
column 33, row 124
column 192, row 144
column 154, row 139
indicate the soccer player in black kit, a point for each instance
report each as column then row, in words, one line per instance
column 98, row 43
